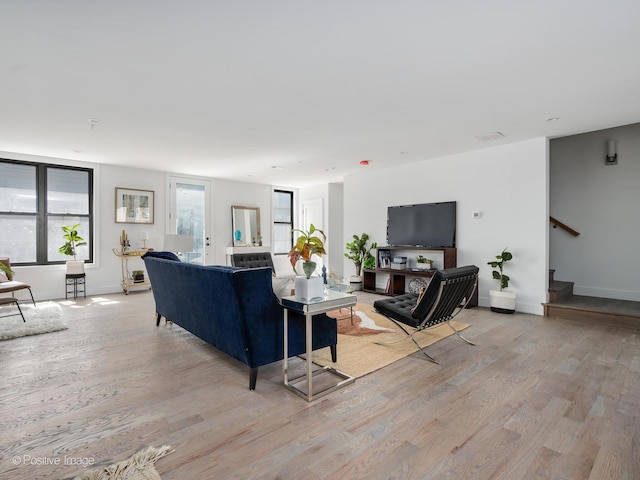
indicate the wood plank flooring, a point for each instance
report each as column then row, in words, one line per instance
column 537, row 398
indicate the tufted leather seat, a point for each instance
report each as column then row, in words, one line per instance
column 448, row 292
column 252, row 260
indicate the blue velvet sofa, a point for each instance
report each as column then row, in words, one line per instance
column 234, row 309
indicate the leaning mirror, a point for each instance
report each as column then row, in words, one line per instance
column 246, row 226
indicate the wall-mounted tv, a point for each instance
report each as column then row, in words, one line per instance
column 424, row 225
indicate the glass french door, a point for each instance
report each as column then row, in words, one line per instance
column 189, row 214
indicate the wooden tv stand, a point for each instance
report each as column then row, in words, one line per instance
column 396, row 284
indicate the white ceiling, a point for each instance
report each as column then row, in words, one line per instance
column 231, row 88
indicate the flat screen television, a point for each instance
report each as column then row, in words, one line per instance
column 423, row 225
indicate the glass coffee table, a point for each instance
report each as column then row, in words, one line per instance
column 303, row 385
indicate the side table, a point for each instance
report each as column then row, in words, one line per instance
column 303, row 385
column 75, row 283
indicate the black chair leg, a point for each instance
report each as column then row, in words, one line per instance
column 32, row 299
column 334, row 353
column 253, row 378
column 158, row 320
column 20, row 310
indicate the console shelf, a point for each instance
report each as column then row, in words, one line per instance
column 396, row 283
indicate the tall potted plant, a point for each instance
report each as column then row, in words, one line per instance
column 73, row 241
column 360, row 253
column 502, row 301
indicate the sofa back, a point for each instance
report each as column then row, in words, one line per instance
column 233, row 309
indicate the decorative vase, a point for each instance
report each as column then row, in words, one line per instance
column 308, row 268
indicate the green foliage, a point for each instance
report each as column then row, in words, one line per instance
column 360, row 253
column 498, row 264
column 306, row 245
column 73, row 240
column 422, row 259
column 6, row 269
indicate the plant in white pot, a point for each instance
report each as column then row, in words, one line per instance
column 502, row 301
column 423, row 263
column 73, row 241
column 360, row 253
column 305, row 246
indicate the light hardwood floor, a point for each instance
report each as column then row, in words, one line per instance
column 535, row 399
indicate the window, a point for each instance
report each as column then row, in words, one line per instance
column 282, row 222
column 36, row 199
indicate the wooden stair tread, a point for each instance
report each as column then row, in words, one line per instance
column 560, row 285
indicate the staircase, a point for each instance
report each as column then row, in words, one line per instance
column 564, row 304
column 559, row 291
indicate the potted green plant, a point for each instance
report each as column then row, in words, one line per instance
column 305, row 246
column 360, row 253
column 503, row 300
column 423, row 263
column 73, row 241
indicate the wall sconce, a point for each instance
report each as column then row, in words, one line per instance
column 612, row 154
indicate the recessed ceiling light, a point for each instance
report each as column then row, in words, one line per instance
column 404, row 152
column 490, row 136
column 552, row 119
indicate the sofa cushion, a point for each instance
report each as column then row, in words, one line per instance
column 282, row 286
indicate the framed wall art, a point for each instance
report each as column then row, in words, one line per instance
column 134, row 206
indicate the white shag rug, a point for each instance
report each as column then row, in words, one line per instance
column 45, row 317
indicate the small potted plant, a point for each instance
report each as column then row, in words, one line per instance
column 502, row 301
column 423, row 263
column 138, row 276
column 360, row 253
column 73, row 241
column 305, row 246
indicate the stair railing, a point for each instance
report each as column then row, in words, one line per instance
column 558, row 223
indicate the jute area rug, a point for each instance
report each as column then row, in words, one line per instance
column 45, row 317
column 358, row 350
column 141, row 466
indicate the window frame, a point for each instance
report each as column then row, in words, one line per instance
column 291, row 224
column 42, row 216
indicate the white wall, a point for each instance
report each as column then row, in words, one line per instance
column 602, row 203
column 507, row 184
column 227, row 193
column 105, row 274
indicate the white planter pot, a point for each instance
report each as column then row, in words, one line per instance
column 75, row 267
column 355, row 282
column 309, row 288
column 502, row 301
column 423, row 266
